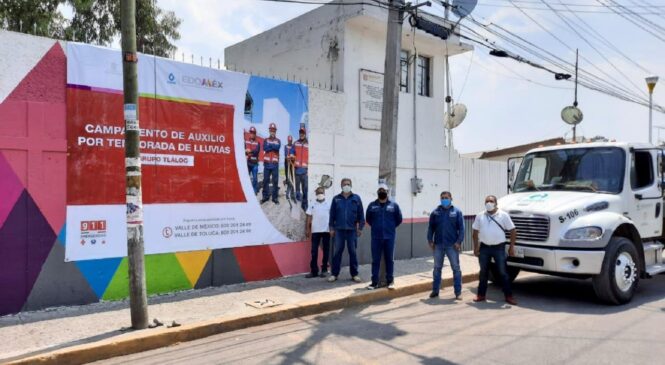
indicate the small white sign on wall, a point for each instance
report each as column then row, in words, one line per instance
column 371, row 99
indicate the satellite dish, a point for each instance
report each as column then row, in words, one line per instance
column 572, row 115
column 456, row 117
column 326, row 182
column 462, row 8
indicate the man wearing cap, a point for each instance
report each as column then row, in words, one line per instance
column 271, row 148
column 347, row 220
column 252, row 150
column 383, row 216
column 445, row 235
column 289, row 157
column 318, row 215
column 301, row 148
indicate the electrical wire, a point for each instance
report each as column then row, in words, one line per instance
column 375, row 3
column 636, row 23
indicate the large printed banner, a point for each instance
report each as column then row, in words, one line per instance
column 196, row 186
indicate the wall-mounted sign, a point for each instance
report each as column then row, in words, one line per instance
column 371, row 99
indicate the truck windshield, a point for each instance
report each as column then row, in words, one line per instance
column 597, row 169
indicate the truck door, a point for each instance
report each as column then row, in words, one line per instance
column 646, row 206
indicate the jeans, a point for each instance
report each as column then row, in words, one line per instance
column 349, row 238
column 385, row 247
column 253, row 175
column 270, row 173
column 301, row 189
column 440, row 251
column 322, row 238
column 498, row 253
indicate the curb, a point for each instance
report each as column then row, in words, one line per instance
column 163, row 337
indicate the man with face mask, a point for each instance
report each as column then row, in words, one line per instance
column 318, row 216
column 346, row 223
column 383, row 216
column 489, row 242
column 271, row 147
column 445, row 234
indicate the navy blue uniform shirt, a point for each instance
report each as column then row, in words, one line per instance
column 446, row 226
column 346, row 212
column 384, row 219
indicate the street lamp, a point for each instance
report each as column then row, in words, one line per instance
column 651, row 84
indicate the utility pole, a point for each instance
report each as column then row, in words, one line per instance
column 651, row 84
column 389, row 114
column 138, row 301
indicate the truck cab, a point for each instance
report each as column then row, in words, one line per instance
column 589, row 210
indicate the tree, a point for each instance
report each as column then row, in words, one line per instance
column 93, row 21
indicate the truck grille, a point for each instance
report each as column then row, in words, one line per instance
column 531, row 228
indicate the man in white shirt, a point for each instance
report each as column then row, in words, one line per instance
column 318, row 215
column 489, row 241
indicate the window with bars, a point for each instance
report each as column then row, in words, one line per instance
column 423, row 75
column 404, row 71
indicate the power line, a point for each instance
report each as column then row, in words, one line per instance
column 375, row 3
column 637, row 24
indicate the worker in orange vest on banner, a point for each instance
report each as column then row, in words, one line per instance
column 271, row 147
column 301, row 147
column 252, row 150
column 289, row 158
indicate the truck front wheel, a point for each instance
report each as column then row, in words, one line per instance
column 619, row 275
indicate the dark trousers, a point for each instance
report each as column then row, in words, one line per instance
column 348, row 238
column 385, row 247
column 253, row 174
column 301, row 189
column 270, row 175
column 498, row 253
column 323, row 239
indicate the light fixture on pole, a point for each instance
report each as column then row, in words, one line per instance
column 651, row 84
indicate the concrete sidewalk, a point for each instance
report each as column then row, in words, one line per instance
column 34, row 333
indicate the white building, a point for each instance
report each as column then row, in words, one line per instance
column 328, row 48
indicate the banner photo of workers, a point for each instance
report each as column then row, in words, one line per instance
column 224, row 157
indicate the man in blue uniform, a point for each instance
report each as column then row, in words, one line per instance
column 346, row 223
column 271, row 147
column 445, row 234
column 383, row 216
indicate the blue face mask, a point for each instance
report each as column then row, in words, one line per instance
column 445, row 202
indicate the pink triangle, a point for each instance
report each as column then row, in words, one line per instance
column 10, row 189
column 46, row 82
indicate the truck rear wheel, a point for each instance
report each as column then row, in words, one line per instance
column 619, row 275
column 494, row 276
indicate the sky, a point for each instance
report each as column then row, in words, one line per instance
column 508, row 103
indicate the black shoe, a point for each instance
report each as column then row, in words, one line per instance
column 433, row 295
column 311, row 275
column 275, row 201
column 372, row 286
column 323, row 274
column 264, row 200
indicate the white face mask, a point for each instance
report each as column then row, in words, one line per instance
column 490, row 206
column 346, row 188
column 320, row 197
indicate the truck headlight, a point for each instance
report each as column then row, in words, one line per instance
column 584, row 233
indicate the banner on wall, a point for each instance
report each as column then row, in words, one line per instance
column 198, row 191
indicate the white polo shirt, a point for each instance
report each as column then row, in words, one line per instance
column 320, row 212
column 489, row 232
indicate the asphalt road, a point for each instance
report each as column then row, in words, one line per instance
column 557, row 321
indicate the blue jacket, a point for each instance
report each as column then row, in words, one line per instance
column 384, row 219
column 446, row 226
column 346, row 212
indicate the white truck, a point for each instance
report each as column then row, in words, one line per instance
column 592, row 210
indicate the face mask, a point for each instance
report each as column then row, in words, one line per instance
column 320, row 197
column 490, row 206
column 346, row 188
column 445, row 202
column 382, row 195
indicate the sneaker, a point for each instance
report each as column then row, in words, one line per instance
column 357, row 279
column 434, row 294
column 311, row 275
column 511, row 300
column 332, row 278
column 372, row 286
column 479, row 298
column 391, row 286
column 323, row 274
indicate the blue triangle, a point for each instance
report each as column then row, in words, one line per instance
column 99, row 273
column 62, row 235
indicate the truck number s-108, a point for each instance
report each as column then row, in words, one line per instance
column 570, row 215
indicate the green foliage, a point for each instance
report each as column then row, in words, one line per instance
column 96, row 22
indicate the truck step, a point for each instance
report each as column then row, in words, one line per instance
column 653, row 253
column 655, row 269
